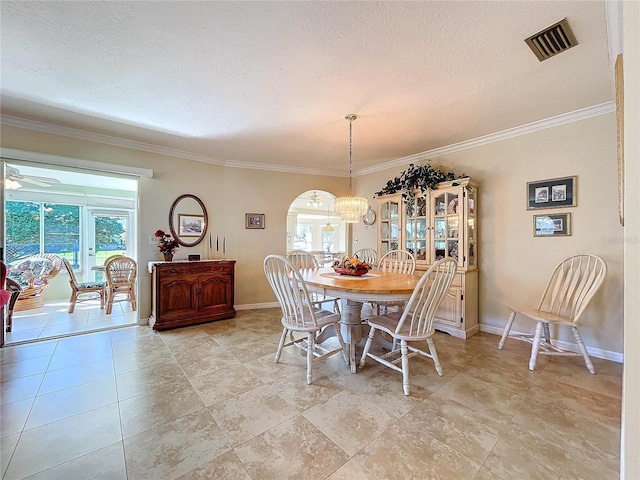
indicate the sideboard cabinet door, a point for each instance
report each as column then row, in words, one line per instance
column 216, row 293
column 187, row 293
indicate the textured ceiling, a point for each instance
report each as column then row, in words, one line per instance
column 270, row 82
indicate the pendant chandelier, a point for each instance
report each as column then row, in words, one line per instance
column 314, row 201
column 351, row 208
column 328, row 227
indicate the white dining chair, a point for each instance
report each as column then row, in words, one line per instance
column 415, row 323
column 368, row 255
column 572, row 285
column 298, row 312
column 396, row 261
column 303, row 260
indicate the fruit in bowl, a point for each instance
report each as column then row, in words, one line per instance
column 351, row 266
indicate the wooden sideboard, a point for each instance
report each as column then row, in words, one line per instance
column 187, row 293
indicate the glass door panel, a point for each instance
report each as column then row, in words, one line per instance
column 395, row 230
column 389, row 225
column 384, row 211
column 108, row 235
column 440, row 203
column 471, row 227
column 416, row 227
column 453, row 226
column 439, row 228
column 384, row 230
column 393, row 210
column 452, row 249
column 421, row 228
column 411, row 230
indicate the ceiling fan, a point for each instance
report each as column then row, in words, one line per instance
column 315, row 201
column 14, row 177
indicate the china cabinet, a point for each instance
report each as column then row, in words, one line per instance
column 433, row 225
column 186, row 293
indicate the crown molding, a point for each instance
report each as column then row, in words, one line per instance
column 285, row 168
column 551, row 122
column 575, row 116
column 104, row 139
column 48, row 159
column 147, row 147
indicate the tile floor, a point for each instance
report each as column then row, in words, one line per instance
column 53, row 320
column 209, row 402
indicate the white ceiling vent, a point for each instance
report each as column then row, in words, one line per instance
column 552, row 40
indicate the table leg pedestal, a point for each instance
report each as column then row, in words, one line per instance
column 351, row 328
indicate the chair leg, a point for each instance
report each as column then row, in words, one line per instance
column 72, row 302
column 507, row 329
column 434, row 355
column 112, row 294
column 583, row 350
column 336, row 327
column 132, row 298
column 281, row 344
column 547, row 334
column 310, row 347
column 535, row 347
column 336, row 306
column 367, row 346
column 405, row 366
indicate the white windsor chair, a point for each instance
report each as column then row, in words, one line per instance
column 415, row 323
column 298, row 312
column 572, row 285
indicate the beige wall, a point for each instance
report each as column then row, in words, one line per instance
column 228, row 193
column 630, row 454
column 515, row 266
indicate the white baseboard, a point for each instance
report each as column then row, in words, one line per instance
column 256, row 306
column 594, row 352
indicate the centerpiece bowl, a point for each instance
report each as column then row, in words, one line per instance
column 351, row 266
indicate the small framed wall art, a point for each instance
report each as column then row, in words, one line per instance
column 553, row 193
column 190, row 225
column 552, row 225
column 254, row 220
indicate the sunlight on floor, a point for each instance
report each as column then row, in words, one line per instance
column 52, row 320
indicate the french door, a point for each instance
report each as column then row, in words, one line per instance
column 108, row 233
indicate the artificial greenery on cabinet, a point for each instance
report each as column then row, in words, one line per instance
column 416, row 180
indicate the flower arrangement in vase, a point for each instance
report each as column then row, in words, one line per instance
column 351, row 266
column 166, row 244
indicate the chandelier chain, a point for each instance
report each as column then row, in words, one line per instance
column 350, row 147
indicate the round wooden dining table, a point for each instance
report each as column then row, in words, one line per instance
column 353, row 291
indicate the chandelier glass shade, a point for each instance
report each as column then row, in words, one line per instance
column 328, row 227
column 351, row 209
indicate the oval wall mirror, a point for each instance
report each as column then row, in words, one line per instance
column 188, row 220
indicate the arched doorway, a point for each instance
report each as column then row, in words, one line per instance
column 313, row 226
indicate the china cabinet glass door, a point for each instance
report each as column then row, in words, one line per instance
column 415, row 222
column 447, row 205
column 471, row 234
column 389, row 224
